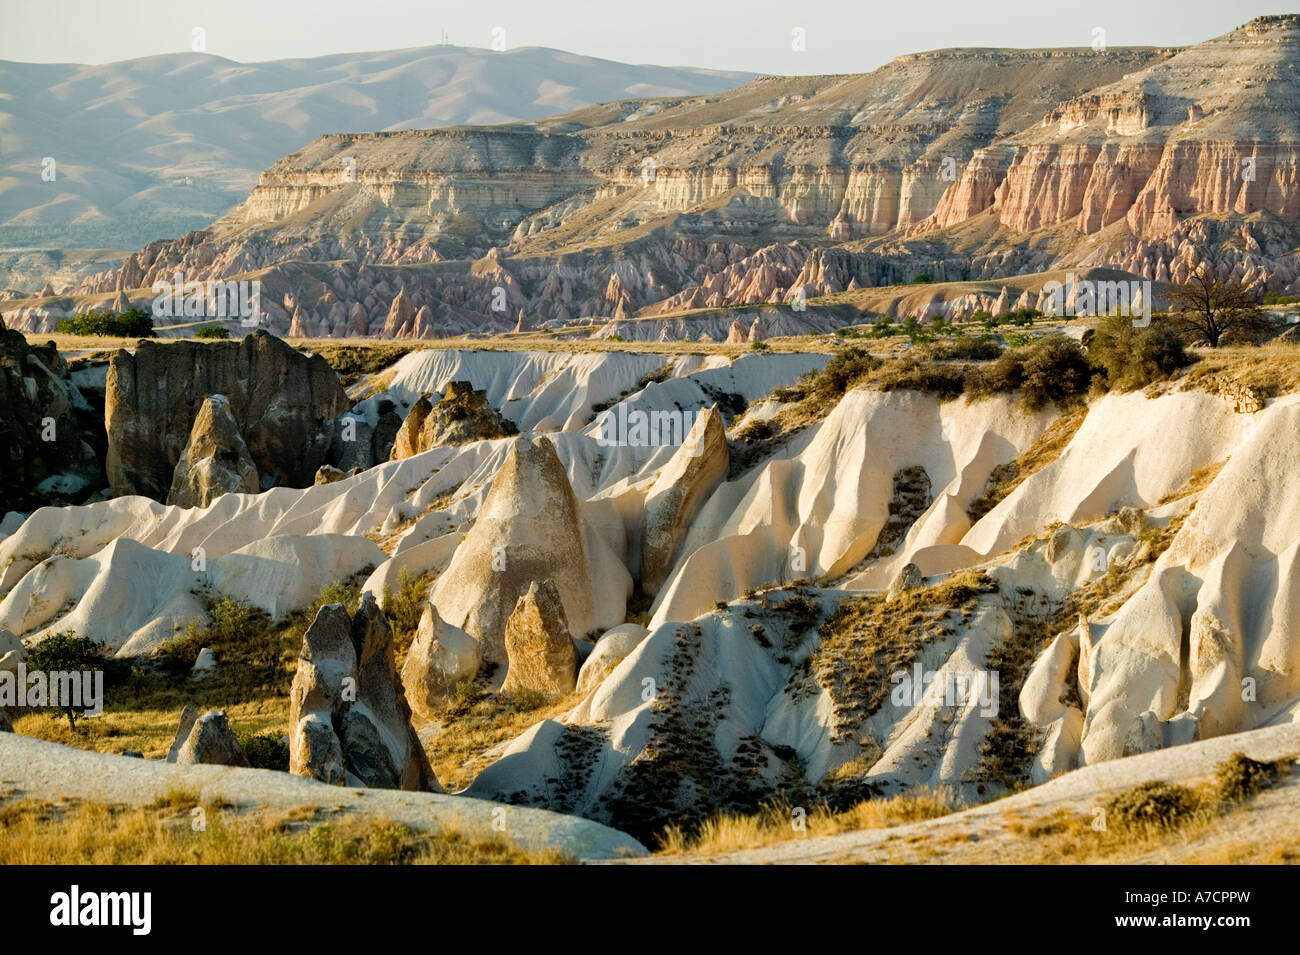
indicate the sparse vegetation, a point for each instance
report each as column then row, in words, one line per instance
column 778, row 822
column 33, row 832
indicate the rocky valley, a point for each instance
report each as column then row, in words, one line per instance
column 758, row 472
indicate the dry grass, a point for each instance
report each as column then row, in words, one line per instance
column 1047, row 448
column 868, row 638
column 149, row 731
column 1272, row 369
column 33, row 832
column 475, row 721
column 779, row 823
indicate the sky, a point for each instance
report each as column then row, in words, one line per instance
column 838, row 36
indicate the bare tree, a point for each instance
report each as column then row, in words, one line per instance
column 1209, row 309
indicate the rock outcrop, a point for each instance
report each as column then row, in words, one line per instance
column 696, row 468
column 215, row 461
column 539, row 647
column 529, row 528
column 462, row 415
column 440, row 657
column 46, row 459
column 610, row 650
column 206, row 739
column 349, row 722
column 283, row 403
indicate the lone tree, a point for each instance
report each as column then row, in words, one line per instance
column 1214, row 310
column 66, row 653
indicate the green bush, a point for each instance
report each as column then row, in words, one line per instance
column 1052, row 369
column 1136, row 357
column 758, row 346
column 265, row 750
column 213, row 331
column 983, row 348
column 847, row 367
column 133, row 323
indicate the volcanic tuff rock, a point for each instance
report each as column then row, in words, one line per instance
column 538, row 644
column 440, row 656
column 282, row 401
column 215, row 461
column 206, row 739
column 462, row 415
column 529, row 528
column 349, row 722
column 698, row 466
column 45, row 457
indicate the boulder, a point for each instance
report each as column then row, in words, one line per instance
column 283, row 402
column 539, row 647
column 461, row 416
column 909, row 578
column 349, row 721
column 440, row 657
column 609, row 652
column 215, row 461
column 209, row 740
column 691, row 475
column 206, row 661
column 12, row 652
column 188, row 717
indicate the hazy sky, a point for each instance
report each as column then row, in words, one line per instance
column 841, row 36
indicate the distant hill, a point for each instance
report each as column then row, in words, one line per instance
column 157, row 146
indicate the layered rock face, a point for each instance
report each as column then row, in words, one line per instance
column 349, row 721
column 46, row 459
column 283, row 403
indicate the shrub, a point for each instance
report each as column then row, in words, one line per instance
column 922, row 278
column 1136, row 357
column 758, row 346
column 983, row 348
column 213, row 331
column 524, row 700
column 405, row 607
column 1052, row 369
column 265, row 750
column 1239, row 777
column 847, row 367
column 1151, row 805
